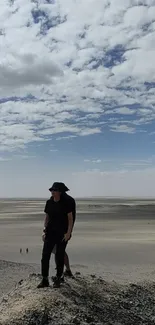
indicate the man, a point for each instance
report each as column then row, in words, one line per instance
column 68, row 272
column 57, row 229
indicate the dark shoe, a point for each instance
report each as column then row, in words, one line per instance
column 43, row 284
column 61, row 279
column 68, row 273
column 57, row 282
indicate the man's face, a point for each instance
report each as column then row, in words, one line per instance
column 56, row 195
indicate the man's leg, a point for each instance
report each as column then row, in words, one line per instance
column 46, row 254
column 67, row 265
column 66, row 262
column 68, row 271
column 60, row 252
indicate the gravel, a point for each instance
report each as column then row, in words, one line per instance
column 80, row 301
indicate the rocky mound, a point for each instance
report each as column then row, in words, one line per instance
column 82, row 300
column 10, row 273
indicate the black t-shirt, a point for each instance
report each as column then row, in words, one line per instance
column 72, row 204
column 58, row 215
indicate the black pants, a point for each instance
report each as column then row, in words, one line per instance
column 49, row 244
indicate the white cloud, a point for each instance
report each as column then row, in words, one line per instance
column 134, row 66
column 122, row 111
column 92, row 171
column 122, row 128
column 4, row 159
column 81, row 60
column 33, row 121
column 95, row 161
column 139, row 163
column 24, row 156
column 27, row 69
column 90, row 131
column 66, row 138
column 139, row 15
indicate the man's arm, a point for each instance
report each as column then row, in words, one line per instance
column 70, row 226
column 46, row 217
column 70, row 223
column 46, row 222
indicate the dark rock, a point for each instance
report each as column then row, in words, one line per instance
column 20, row 282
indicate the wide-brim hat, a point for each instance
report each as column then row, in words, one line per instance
column 60, row 187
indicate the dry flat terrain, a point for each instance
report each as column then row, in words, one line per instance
column 113, row 239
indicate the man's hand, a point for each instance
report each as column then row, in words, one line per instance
column 43, row 236
column 67, row 236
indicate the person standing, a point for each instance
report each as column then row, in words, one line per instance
column 57, row 231
column 72, row 203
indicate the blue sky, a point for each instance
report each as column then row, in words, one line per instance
column 77, row 97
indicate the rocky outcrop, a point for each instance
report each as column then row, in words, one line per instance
column 82, row 300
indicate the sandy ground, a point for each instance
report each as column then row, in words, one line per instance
column 112, row 239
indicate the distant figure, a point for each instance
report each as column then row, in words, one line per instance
column 20, row 250
column 27, row 250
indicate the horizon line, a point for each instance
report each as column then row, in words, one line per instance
column 78, row 197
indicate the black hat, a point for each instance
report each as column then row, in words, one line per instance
column 57, row 186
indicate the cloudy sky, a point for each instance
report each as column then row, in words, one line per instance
column 77, row 97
